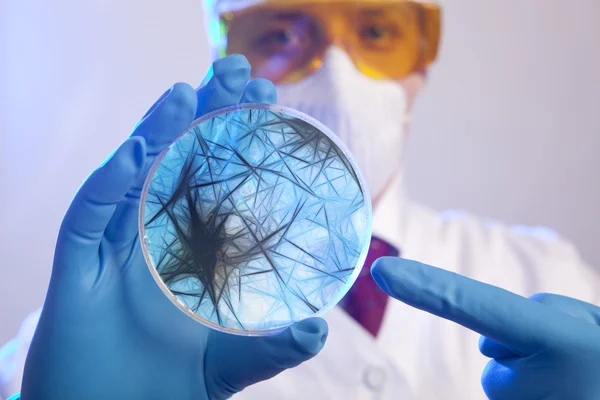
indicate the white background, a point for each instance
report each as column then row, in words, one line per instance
column 508, row 127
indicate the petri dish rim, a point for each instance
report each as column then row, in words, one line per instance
column 334, row 300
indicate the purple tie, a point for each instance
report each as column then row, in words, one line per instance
column 365, row 302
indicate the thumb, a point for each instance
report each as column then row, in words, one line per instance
column 568, row 305
column 235, row 362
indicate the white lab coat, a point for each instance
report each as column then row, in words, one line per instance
column 416, row 355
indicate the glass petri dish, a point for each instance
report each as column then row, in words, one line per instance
column 255, row 218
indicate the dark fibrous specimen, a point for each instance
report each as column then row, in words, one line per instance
column 249, row 196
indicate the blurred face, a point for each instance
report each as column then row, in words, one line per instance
column 354, row 65
column 285, row 41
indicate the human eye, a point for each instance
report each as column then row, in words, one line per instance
column 290, row 37
column 378, row 35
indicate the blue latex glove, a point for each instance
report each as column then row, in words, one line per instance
column 544, row 347
column 106, row 330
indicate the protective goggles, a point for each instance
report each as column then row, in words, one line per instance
column 285, row 41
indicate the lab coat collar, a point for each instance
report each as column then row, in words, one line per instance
column 390, row 215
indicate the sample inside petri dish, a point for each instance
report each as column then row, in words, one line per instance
column 255, row 218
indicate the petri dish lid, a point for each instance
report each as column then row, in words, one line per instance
column 255, row 218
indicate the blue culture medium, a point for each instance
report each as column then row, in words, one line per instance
column 255, row 218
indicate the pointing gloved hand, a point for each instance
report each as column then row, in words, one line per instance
column 106, row 329
column 544, row 347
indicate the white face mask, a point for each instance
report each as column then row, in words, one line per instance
column 368, row 115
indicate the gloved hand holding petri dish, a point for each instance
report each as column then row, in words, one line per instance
column 255, row 218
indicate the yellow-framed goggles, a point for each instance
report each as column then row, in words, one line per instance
column 285, row 40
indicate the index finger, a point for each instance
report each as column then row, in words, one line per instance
column 520, row 324
column 168, row 119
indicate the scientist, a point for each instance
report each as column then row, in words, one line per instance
column 106, row 330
